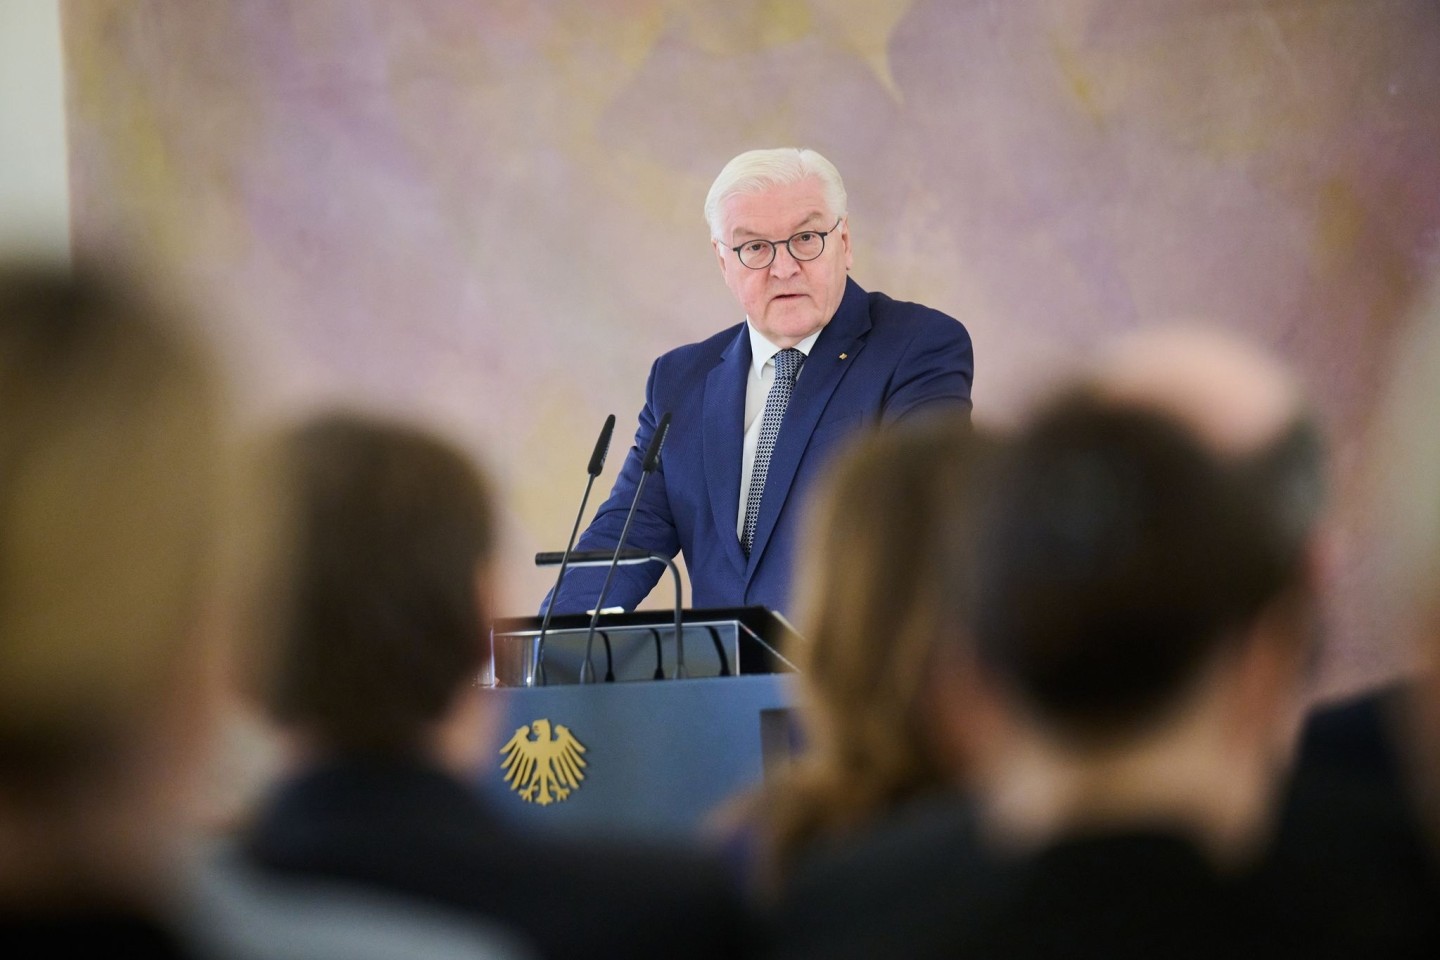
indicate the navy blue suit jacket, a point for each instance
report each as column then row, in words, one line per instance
column 877, row 360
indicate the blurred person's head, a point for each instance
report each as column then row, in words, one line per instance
column 388, row 591
column 111, row 473
column 1245, row 408
column 872, row 622
column 1143, row 618
column 1236, row 398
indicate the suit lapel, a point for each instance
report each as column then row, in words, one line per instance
column 724, row 419
column 844, row 334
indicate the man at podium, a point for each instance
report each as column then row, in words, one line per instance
column 759, row 408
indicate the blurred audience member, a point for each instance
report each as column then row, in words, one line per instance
column 1413, row 421
column 111, row 467
column 1359, row 841
column 871, row 596
column 124, row 542
column 1141, row 596
column 373, row 677
column 1145, row 617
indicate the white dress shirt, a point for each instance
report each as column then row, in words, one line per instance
column 757, row 389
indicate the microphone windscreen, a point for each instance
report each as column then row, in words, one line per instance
column 602, row 447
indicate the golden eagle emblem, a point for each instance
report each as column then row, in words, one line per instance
column 543, row 768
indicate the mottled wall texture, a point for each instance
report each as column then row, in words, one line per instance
column 488, row 214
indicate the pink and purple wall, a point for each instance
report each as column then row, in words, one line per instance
column 487, row 215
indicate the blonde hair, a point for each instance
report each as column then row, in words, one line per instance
column 110, row 469
column 876, row 606
column 756, row 170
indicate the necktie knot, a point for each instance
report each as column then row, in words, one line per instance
column 787, row 364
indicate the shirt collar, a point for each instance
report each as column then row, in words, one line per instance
column 762, row 351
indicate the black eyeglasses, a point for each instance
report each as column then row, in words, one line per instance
column 803, row 246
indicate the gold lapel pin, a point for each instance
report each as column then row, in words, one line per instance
column 844, row 355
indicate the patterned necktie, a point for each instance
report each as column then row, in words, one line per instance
column 787, row 367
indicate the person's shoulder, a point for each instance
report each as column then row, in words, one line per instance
column 908, row 318
column 1358, row 733
column 708, row 349
column 682, row 366
column 671, row 868
column 899, row 886
column 932, row 834
column 662, row 893
column 233, row 908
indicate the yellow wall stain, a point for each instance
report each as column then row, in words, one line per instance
column 866, row 28
column 737, row 29
column 1340, row 223
column 1080, row 82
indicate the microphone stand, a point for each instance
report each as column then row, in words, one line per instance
column 648, row 466
column 680, row 673
column 628, row 557
column 597, row 463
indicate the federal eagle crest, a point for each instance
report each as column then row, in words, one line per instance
column 543, row 768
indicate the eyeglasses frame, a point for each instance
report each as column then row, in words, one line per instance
column 775, row 246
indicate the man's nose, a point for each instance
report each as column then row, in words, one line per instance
column 784, row 265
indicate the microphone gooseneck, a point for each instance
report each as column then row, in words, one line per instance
column 647, row 467
column 597, row 464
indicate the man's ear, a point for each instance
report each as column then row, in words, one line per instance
column 467, row 735
column 1323, row 557
column 962, row 711
column 845, row 243
column 1271, row 667
column 719, row 254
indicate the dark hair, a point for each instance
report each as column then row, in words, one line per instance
column 384, row 625
column 1118, row 556
column 1287, row 478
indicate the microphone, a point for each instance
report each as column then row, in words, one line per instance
column 597, row 463
column 602, row 448
column 647, row 467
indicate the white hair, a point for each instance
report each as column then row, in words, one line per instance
column 756, row 170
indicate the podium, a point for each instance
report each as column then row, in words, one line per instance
column 638, row 755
